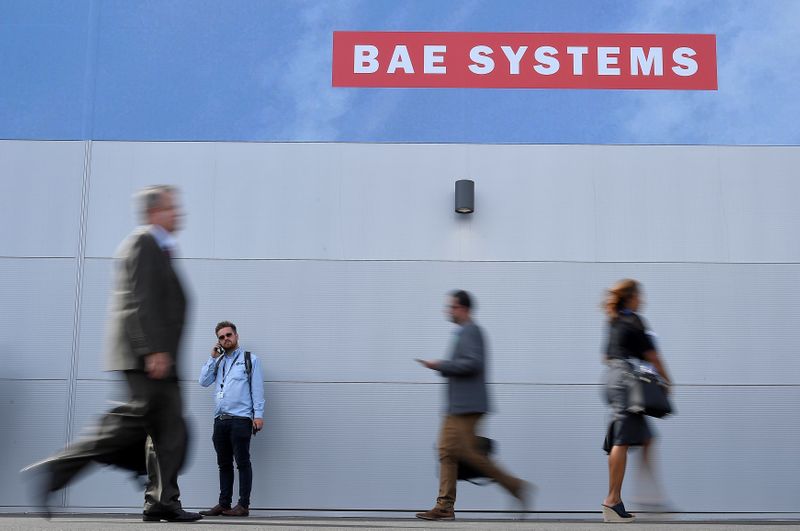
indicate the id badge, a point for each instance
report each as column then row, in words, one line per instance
column 220, row 395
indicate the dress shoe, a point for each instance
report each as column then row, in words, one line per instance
column 438, row 514
column 524, row 495
column 215, row 511
column 38, row 476
column 171, row 516
column 237, row 511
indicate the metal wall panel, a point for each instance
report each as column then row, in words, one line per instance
column 396, row 202
column 759, row 190
column 41, row 183
column 531, row 203
column 657, row 204
column 121, row 168
column 96, row 294
column 336, row 276
column 38, row 308
column 279, row 200
column 283, row 200
column 725, row 437
column 32, row 426
column 390, row 202
column 366, row 321
column 721, row 323
column 371, row 447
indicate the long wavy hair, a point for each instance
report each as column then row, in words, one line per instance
column 618, row 296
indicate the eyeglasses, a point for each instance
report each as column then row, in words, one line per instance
column 223, row 336
column 454, row 306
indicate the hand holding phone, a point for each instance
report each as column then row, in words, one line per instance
column 217, row 351
column 429, row 364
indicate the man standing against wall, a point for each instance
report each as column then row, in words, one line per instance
column 146, row 324
column 238, row 415
column 467, row 402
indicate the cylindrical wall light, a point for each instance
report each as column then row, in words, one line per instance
column 465, row 196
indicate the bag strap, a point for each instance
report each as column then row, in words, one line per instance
column 486, row 481
column 248, row 368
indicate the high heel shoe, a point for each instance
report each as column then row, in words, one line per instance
column 617, row 514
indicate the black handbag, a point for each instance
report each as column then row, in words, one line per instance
column 647, row 394
column 467, row 472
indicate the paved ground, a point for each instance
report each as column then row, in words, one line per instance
column 99, row 522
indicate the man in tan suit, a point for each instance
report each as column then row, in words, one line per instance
column 147, row 321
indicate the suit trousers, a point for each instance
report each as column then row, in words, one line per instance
column 457, row 442
column 147, row 431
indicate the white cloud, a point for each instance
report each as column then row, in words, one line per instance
column 313, row 108
column 307, row 103
column 386, row 105
column 758, row 55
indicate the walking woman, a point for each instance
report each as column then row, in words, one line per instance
column 628, row 341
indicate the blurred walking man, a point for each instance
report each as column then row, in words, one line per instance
column 147, row 321
column 238, row 415
column 467, row 402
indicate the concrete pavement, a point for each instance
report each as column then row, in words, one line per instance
column 130, row 522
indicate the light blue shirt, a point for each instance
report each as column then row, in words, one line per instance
column 232, row 390
column 164, row 239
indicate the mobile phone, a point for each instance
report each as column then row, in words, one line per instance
column 219, row 349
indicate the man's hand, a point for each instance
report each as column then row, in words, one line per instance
column 431, row 364
column 258, row 424
column 158, row 365
column 215, row 352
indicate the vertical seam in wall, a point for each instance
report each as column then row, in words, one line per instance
column 87, row 131
column 80, row 262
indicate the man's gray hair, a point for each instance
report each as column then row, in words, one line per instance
column 149, row 198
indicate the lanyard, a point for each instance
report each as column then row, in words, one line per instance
column 222, row 383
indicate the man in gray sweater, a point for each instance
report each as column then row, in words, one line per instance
column 467, row 402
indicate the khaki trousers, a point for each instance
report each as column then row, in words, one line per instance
column 457, row 441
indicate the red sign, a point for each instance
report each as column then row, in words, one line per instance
column 524, row 60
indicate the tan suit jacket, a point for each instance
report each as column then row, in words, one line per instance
column 148, row 307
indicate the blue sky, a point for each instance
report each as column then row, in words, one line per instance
column 261, row 71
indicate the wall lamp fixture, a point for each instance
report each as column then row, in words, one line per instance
column 465, row 196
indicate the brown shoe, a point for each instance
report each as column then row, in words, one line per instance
column 237, row 511
column 524, row 494
column 215, row 511
column 438, row 514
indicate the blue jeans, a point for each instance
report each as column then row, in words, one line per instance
column 232, row 441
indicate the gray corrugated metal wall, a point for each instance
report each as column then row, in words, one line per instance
column 334, row 259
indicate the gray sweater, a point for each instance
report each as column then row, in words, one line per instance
column 466, row 373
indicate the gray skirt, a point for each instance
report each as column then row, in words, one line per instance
column 624, row 429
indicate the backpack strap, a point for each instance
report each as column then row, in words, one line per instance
column 248, row 368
